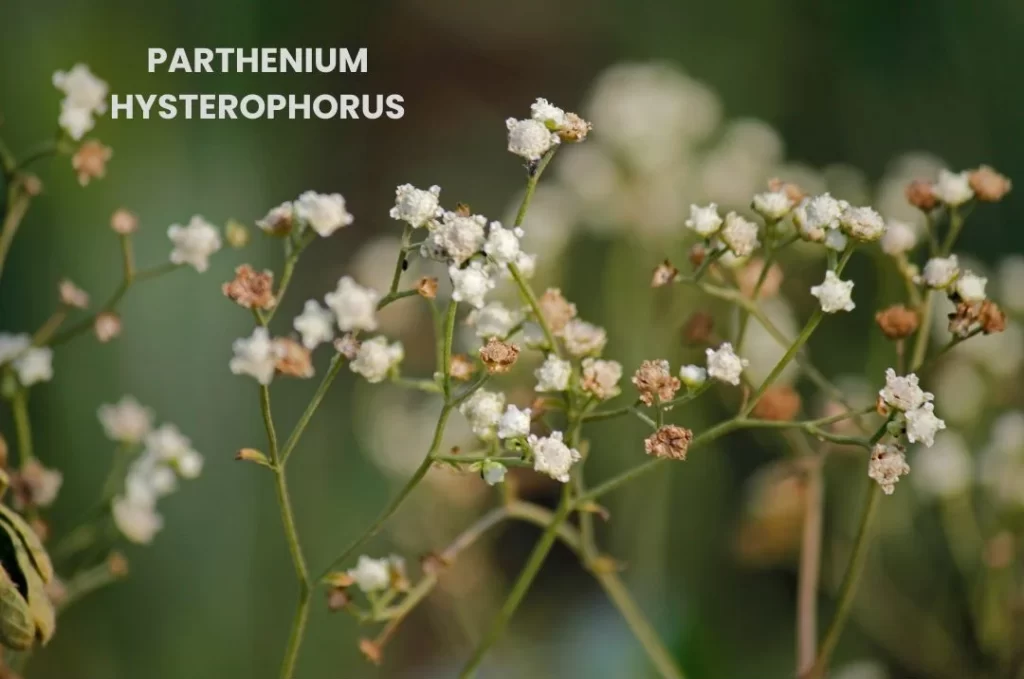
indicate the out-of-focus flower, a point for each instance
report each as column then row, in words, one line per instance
column 553, row 374
column 940, row 272
column 921, row 195
column 970, row 287
column 899, row 238
column 255, row 356
column 582, row 338
column 315, row 324
column 126, row 421
column 72, row 296
column 552, row 457
column 1010, row 278
column 293, row 359
column 415, row 206
column 944, row 470
column 953, row 188
column 834, row 294
column 90, row 161
column 124, row 222
column 193, row 244
column 85, row 95
column 325, row 213
column 988, row 185
column 36, row 485
column 138, row 522
column 897, row 321
column 167, row 444
column 557, row 311
column 748, row 276
column 34, row 365
column 375, row 358
column 107, row 326
column 780, row 403
column 371, row 575
column 493, row 320
column 354, row 306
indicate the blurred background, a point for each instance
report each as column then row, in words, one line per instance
column 691, row 101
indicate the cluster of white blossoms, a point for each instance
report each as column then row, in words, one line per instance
column 85, row 96
column 944, row 273
column 194, row 243
column 31, row 364
column 166, row 456
column 325, row 213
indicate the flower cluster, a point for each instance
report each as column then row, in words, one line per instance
column 85, row 96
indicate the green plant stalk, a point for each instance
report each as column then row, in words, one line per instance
column 810, row 570
column 17, row 205
column 321, row 391
column 22, row 426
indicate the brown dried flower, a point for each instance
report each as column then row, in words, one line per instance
column 919, row 194
column 90, row 161
column 498, row 356
column 793, row 191
column 748, row 275
column 32, row 185
column 124, row 222
column 897, row 322
column 337, row 599
column 988, row 184
column 654, row 379
column 462, row 367
column 236, row 234
column 780, row 403
column 961, row 320
column 574, row 129
column 251, row 289
column 71, row 295
column 556, row 309
column 699, row 328
column 991, row 317
column 293, row 359
column 34, row 485
column 664, row 274
column 671, row 441
column 371, row 651
column 107, row 326
column 427, row 287
column 117, row 564
column 463, row 209
column 697, row 254
column 347, row 345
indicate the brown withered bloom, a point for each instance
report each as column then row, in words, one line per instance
column 124, row 222
column 897, row 322
column 697, row 254
column 780, row 403
column 699, row 328
column 433, row 563
column 963, row 319
column 107, row 326
column 337, row 599
column 988, row 184
column 793, row 191
column 654, row 379
column 664, row 274
column 90, row 161
column 251, row 289
column 71, row 295
column 556, row 309
column 117, row 564
column 463, row 209
column 293, row 359
column 31, row 185
column 347, row 345
column 991, row 317
column 498, row 356
column 371, row 651
column 574, row 129
column 671, row 441
column 919, row 194
column 427, row 287
column 462, row 367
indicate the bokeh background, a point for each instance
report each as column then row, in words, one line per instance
column 790, row 88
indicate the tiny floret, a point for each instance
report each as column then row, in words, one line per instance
column 315, row 324
column 772, row 205
column 693, row 376
column 601, row 378
column 278, row 222
column 823, row 213
column 834, row 294
column 669, row 442
column 126, row 421
column 325, row 213
column 970, row 287
column 502, row 245
column 484, row 410
column 493, row 472
column 193, row 244
column 415, row 206
column 255, row 356
column 354, row 306
column 471, row 284
column 553, row 374
column 530, row 139
column 34, row 365
column 375, row 359
column 371, row 575
column 739, row 235
column 552, row 457
column 654, row 380
column 494, row 320
column 953, row 188
column 724, row 364
column 514, row 423
column 545, row 112
column 899, row 238
column 888, row 463
column 455, row 238
column 903, row 393
column 922, row 424
column 862, row 223
column 582, row 338
column 556, row 309
column 497, row 356
column 940, row 272
column 704, row 220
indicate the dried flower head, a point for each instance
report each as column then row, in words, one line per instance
column 124, row 222
column 653, row 380
column 991, row 317
column 897, row 322
column 963, row 319
column 919, row 194
column 780, row 403
column 601, row 378
column 498, row 356
column 462, row 367
column 35, row 485
column 888, row 463
column 31, row 185
column 698, row 253
column 699, row 328
column 71, row 295
column 556, row 309
column 671, row 442
column 107, row 326
column 793, row 191
column 989, row 185
column 293, row 359
column 574, row 128
column 279, row 221
column 426, row 287
column 90, row 161
column 347, row 345
column 251, row 289
column 664, row 274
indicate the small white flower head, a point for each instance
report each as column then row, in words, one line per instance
column 41, row 485
column 582, row 338
column 325, row 213
column 552, row 457
column 940, row 272
column 836, row 240
column 12, row 346
column 704, row 220
column 888, row 463
column 547, row 113
column 502, row 244
column 953, row 188
column 126, row 421
column 376, row 358
column 278, row 220
column 899, row 238
column 970, row 287
column 527, row 265
column 138, row 522
column 494, row 319
column 772, row 205
column 354, row 306
column 77, row 122
column 739, row 235
column 514, row 423
column 903, row 393
column 553, row 374
column 922, row 424
column 255, row 356
column 193, row 244
column 493, row 472
column 82, row 89
column 834, row 294
column 483, row 410
column 808, row 232
column 693, row 376
column 455, row 238
column 862, row 223
column 168, row 445
column 601, row 378
column 471, row 284
column 530, row 139
column 822, row 213
column 315, row 324
column 371, row 575
column 725, row 365
column 945, row 470
column 34, row 365
column 415, row 206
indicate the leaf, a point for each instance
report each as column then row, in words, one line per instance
column 17, row 628
column 28, row 538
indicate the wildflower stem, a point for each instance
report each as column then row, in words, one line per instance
column 769, row 259
column 311, row 408
column 17, row 205
column 809, row 573
column 956, row 223
column 22, row 426
column 86, row 582
column 531, row 185
column 923, row 331
column 449, row 335
column 396, row 278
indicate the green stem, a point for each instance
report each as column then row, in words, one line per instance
column 449, row 338
column 923, row 332
column 531, row 185
column 22, row 427
column 17, row 205
column 744, row 314
column 321, row 391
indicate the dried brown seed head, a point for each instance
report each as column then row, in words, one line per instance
column 71, row 295
column 664, row 274
column 462, row 367
column 107, row 326
column 556, row 309
column 989, row 185
column 697, row 254
column 498, row 356
column 699, row 328
column 463, row 210
column 793, row 191
column 780, row 403
column 654, row 381
column 293, row 359
column 963, row 319
column 251, row 289
column 575, row 128
column 919, row 194
column 124, row 222
column 371, row 651
column 671, row 441
column 427, row 287
column 897, row 322
column 991, row 317
column 90, row 161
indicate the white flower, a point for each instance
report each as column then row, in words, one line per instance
column 809, row 232
column 455, row 238
column 899, row 238
column 503, row 244
column 529, row 138
column 483, row 410
column 552, row 457
column 971, row 287
column 527, row 265
column 601, row 378
column 34, row 365
column 12, row 346
column 550, row 115
column 582, row 338
column 493, row 472
column 704, row 220
column 724, row 364
column 834, row 294
column 471, row 284
column 354, row 306
column 315, row 324
column 514, row 422
column 282, row 214
column 168, row 445
column 138, row 522
column 693, row 375
column 75, row 121
column 888, row 463
column 42, row 485
column 371, row 575
column 945, row 469
column 740, row 235
column 326, row 213
column 553, row 374
column 939, row 272
column 416, row 206
column 494, row 320
column 126, row 421
column 836, row 240
column 822, row 212
column 953, row 188
column 922, row 424
column 193, row 244
column 82, row 89
column 862, row 223
column 772, row 205
column 903, row 393
column 376, row 358
column 255, row 356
